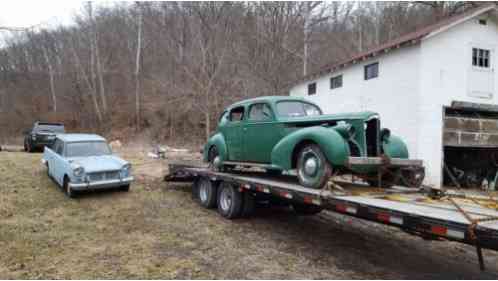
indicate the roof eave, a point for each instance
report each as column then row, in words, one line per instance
column 457, row 22
column 358, row 60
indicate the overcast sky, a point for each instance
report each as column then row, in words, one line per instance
column 19, row 13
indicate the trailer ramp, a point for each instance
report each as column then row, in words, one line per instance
column 461, row 218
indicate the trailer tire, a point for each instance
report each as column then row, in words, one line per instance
column 230, row 201
column 195, row 190
column 248, row 204
column 205, row 192
column 306, row 210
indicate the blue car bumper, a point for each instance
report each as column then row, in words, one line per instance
column 101, row 184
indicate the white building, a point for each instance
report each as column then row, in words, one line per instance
column 419, row 83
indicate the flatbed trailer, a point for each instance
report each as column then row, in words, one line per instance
column 432, row 214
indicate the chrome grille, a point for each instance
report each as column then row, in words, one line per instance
column 101, row 176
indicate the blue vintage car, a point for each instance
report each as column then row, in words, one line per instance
column 80, row 162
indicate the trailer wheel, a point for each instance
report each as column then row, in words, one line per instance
column 313, row 169
column 248, row 204
column 306, row 210
column 229, row 201
column 205, row 191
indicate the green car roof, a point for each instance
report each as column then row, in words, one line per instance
column 274, row 99
column 270, row 99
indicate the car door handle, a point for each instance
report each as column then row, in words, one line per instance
column 245, row 129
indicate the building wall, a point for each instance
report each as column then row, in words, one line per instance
column 446, row 76
column 394, row 94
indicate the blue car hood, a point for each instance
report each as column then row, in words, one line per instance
column 99, row 163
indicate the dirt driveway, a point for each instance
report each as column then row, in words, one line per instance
column 156, row 231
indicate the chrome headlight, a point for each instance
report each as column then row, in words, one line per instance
column 126, row 169
column 78, row 170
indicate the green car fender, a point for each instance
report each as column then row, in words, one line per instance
column 394, row 147
column 332, row 144
column 217, row 141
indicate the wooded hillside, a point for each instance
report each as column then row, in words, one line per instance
column 170, row 68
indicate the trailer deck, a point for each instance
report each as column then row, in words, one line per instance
column 432, row 214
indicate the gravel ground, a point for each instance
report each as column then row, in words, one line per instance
column 156, row 231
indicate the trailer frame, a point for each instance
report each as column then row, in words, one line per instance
column 431, row 220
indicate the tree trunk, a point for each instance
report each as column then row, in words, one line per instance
column 207, row 117
column 100, row 73
column 51, row 77
column 137, row 69
column 305, row 39
column 93, row 93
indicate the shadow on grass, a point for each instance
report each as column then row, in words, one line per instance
column 368, row 248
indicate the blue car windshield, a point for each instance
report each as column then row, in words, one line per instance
column 85, row 149
column 297, row 109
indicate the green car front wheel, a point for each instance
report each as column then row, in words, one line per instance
column 313, row 169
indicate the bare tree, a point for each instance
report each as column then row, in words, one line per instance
column 51, row 77
column 178, row 64
column 99, row 66
column 82, row 73
column 137, row 65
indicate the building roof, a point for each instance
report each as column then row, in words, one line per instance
column 79, row 137
column 402, row 41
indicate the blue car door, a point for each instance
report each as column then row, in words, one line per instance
column 59, row 165
column 49, row 153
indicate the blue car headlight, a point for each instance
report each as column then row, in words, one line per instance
column 78, row 170
column 126, row 170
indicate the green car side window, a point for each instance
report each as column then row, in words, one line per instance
column 237, row 114
column 297, row 109
column 260, row 112
column 223, row 118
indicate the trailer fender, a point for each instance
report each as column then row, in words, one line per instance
column 333, row 145
column 219, row 142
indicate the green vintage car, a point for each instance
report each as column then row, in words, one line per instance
column 282, row 133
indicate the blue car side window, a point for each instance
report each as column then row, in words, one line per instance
column 58, row 148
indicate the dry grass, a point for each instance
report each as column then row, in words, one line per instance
column 156, row 231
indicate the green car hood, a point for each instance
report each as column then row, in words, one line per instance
column 364, row 115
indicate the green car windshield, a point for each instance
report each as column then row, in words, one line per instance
column 297, row 109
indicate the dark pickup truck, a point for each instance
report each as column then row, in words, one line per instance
column 42, row 134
